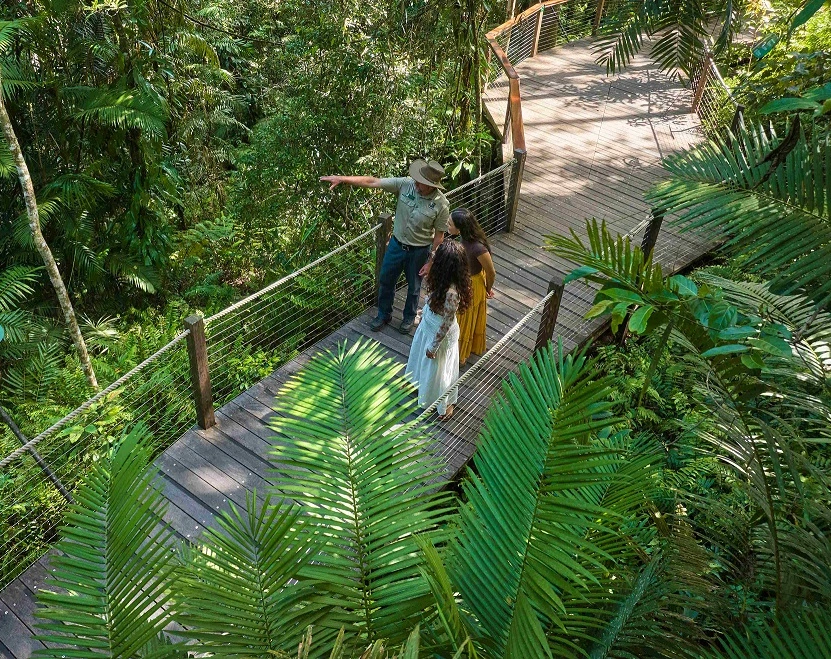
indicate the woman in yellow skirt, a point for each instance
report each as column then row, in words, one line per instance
column 473, row 321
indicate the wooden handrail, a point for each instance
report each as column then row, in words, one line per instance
column 507, row 25
column 514, row 99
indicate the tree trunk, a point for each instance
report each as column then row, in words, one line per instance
column 40, row 243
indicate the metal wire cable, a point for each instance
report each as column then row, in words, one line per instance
column 88, row 403
column 293, row 275
column 480, row 363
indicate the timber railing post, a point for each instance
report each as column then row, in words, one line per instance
column 200, row 378
column 598, row 16
column 549, row 313
column 702, row 82
column 536, row 45
column 514, row 187
column 382, row 236
column 650, row 234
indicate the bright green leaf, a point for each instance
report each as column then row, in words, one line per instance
column 810, row 8
column 621, row 295
column 579, row 273
column 637, row 323
column 774, row 345
column 683, row 286
column 789, row 105
column 752, row 360
column 729, row 349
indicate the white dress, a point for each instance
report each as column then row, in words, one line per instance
column 439, row 333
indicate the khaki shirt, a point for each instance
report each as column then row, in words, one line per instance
column 416, row 217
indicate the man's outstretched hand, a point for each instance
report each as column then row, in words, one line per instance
column 425, row 269
column 333, row 181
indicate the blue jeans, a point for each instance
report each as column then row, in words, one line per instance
column 396, row 261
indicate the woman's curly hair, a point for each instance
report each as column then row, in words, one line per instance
column 449, row 269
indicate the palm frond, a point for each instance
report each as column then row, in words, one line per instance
column 16, row 285
column 129, row 269
column 798, row 635
column 452, row 628
column 772, row 205
column 625, row 276
column 525, row 540
column 8, row 167
column 239, row 590
column 363, row 475
column 624, row 34
column 121, row 110
column 76, row 190
column 15, row 29
column 15, row 77
column 682, row 37
column 113, row 568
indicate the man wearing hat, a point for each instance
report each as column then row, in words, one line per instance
column 420, row 223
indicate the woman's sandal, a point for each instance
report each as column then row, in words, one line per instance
column 446, row 416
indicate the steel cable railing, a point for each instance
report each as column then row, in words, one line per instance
column 713, row 101
column 453, row 439
column 244, row 342
column 252, row 337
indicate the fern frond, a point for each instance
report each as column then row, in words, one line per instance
column 363, row 476
column 110, row 586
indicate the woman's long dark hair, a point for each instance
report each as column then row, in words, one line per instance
column 469, row 228
column 449, row 269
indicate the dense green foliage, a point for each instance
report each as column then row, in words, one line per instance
column 670, row 499
column 579, row 531
column 175, row 150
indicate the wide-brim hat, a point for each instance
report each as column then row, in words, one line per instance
column 428, row 172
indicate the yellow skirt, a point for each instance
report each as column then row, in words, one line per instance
column 473, row 321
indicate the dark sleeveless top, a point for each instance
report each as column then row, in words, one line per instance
column 474, row 250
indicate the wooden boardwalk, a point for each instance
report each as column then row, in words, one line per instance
column 594, row 147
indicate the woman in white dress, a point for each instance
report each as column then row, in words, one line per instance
column 434, row 356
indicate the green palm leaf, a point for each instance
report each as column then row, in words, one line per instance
column 237, row 595
column 525, row 541
column 109, row 592
column 364, row 480
column 16, row 285
column 122, row 109
column 682, row 37
column 769, row 198
column 624, row 34
column 798, row 635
